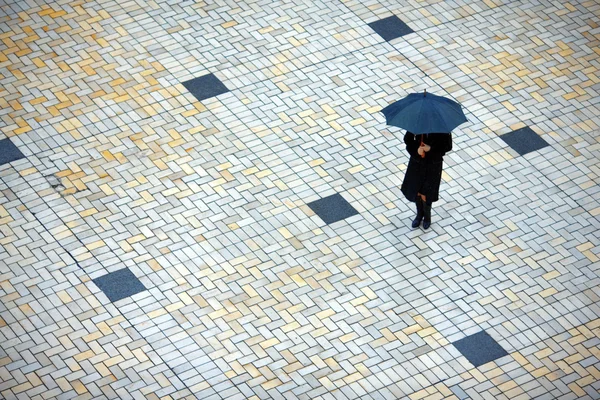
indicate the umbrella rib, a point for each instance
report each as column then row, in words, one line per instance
column 443, row 120
column 421, row 108
column 439, row 115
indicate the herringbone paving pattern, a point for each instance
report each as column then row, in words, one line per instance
column 250, row 294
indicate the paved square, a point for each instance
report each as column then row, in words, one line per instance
column 332, row 208
column 9, row 152
column 524, row 140
column 119, row 284
column 205, row 87
column 480, row 348
column 249, row 294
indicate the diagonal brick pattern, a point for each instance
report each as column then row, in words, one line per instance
column 249, row 295
column 58, row 339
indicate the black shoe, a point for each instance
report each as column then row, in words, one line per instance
column 420, row 213
column 427, row 218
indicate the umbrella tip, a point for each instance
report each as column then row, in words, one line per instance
column 424, row 92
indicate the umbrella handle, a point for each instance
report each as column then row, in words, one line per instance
column 422, row 155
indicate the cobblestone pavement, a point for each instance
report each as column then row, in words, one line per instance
column 156, row 246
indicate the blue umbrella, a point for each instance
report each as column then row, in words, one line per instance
column 425, row 113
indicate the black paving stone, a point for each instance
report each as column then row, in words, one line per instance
column 390, row 28
column 524, row 140
column 9, row 152
column 480, row 348
column 205, row 87
column 332, row 209
column 119, row 284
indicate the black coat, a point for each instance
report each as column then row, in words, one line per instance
column 424, row 175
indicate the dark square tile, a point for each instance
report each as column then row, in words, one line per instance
column 205, row 87
column 390, row 28
column 524, row 140
column 9, row 152
column 480, row 348
column 332, row 209
column 119, row 284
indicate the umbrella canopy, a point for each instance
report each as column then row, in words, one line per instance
column 425, row 113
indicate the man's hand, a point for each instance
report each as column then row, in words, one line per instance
column 421, row 151
column 426, row 147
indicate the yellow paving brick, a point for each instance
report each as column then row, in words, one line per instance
column 548, row 292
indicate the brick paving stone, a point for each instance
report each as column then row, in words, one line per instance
column 524, row 140
column 332, row 208
column 390, row 28
column 120, row 284
column 479, row 348
column 205, row 87
column 9, row 152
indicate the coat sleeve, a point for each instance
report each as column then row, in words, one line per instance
column 412, row 145
column 442, row 146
